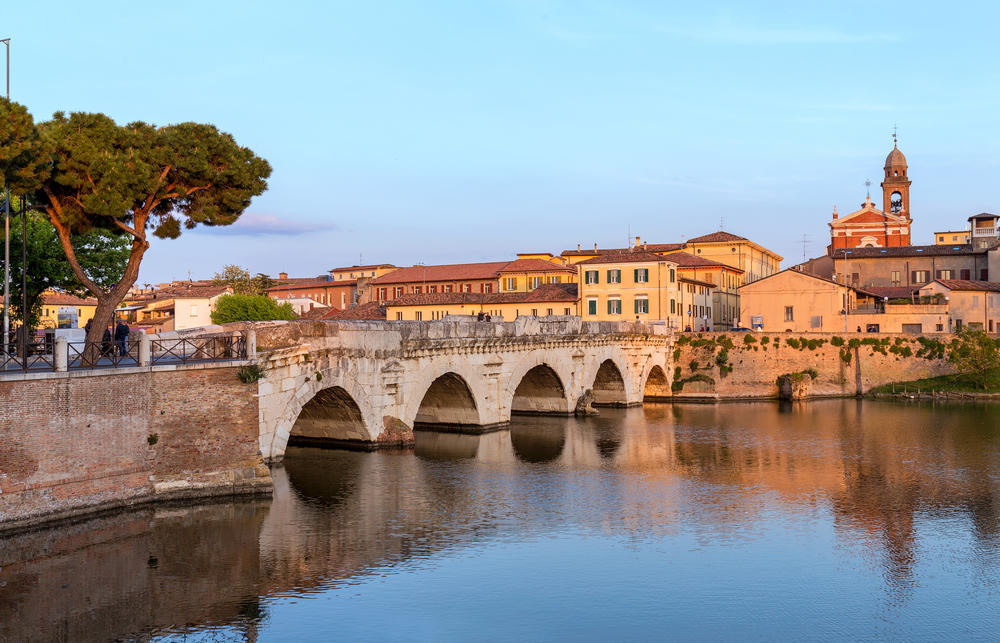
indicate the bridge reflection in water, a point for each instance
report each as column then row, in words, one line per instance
column 906, row 489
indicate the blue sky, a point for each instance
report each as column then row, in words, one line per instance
column 440, row 132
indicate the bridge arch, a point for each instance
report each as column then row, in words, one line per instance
column 609, row 385
column 537, row 388
column 447, row 403
column 340, row 415
column 656, row 385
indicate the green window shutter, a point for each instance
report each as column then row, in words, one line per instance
column 636, row 303
column 635, row 277
column 609, row 307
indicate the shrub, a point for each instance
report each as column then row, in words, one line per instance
column 683, row 339
column 153, row 438
column 677, row 354
column 791, row 341
column 678, row 385
column 250, row 373
column 764, row 341
column 693, row 365
column 750, row 339
column 725, row 341
column 837, row 340
column 846, row 355
column 677, row 373
column 722, row 357
column 235, row 308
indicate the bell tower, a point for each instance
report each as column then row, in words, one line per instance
column 896, row 185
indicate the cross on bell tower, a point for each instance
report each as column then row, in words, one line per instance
column 896, row 185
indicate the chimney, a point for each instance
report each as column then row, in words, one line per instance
column 282, row 275
column 637, row 242
column 595, row 247
column 834, row 213
column 578, row 247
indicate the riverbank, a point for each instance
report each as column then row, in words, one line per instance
column 956, row 386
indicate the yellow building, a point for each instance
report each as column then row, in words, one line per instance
column 544, row 301
column 754, row 260
column 527, row 274
column 630, row 286
column 696, row 305
column 372, row 271
column 62, row 310
column 952, row 237
column 544, row 256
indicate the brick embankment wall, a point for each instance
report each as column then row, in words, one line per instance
column 840, row 368
column 75, row 445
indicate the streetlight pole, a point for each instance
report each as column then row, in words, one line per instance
column 6, row 238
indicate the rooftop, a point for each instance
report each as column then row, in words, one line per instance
column 374, row 266
column 306, row 285
column 965, row 284
column 634, row 256
column 717, row 237
column 909, row 251
column 544, row 293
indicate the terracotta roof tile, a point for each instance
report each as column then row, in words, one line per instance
column 909, row 251
column 965, row 284
column 534, row 265
column 686, row 260
column 374, row 266
column 313, row 284
column 544, row 293
column 372, row 310
column 446, row 272
column 717, row 237
column 629, row 257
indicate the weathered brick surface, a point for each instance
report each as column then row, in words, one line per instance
column 77, row 443
column 755, row 370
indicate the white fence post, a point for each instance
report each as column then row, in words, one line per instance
column 60, row 354
column 250, row 341
column 145, row 349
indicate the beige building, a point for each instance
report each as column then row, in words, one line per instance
column 630, row 286
column 696, row 305
column 912, row 266
column 969, row 303
column 348, row 273
column 176, row 307
column 756, row 262
column 798, row 302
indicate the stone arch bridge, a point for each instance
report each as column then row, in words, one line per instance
column 372, row 383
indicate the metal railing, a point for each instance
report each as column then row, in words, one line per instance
column 36, row 355
column 102, row 354
column 209, row 348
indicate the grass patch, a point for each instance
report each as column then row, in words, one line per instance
column 956, row 383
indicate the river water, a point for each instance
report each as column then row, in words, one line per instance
column 823, row 520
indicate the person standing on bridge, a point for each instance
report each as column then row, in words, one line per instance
column 121, row 338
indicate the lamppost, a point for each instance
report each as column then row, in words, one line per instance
column 6, row 237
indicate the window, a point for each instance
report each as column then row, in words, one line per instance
column 535, row 282
column 789, row 313
column 941, row 239
column 432, row 289
column 399, row 316
column 553, row 280
column 487, row 288
column 447, row 288
column 673, row 276
column 954, row 238
column 534, row 312
column 591, row 306
column 614, row 276
column 398, row 291
column 983, row 274
column 944, row 274
column 566, row 312
column 614, row 306
column 548, row 312
column 590, row 277
column 895, row 277
column 467, row 287
column 416, row 289
column 816, row 322
column 673, row 306
column 913, row 329
column 419, row 316
column 641, row 275
column 920, row 276
column 641, row 305
column 194, row 310
column 975, row 301
column 511, row 283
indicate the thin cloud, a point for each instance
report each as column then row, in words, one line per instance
column 254, row 224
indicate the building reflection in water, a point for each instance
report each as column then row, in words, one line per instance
column 876, row 472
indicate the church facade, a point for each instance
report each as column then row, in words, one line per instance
column 871, row 227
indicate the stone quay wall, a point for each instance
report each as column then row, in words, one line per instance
column 750, row 369
column 81, row 442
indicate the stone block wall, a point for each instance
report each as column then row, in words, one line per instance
column 74, row 444
column 757, row 365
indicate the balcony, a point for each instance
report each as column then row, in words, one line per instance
column 985, row 232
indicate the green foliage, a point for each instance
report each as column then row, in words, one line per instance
column 813, row 344
column 242, row 282
column 101, row 254
column 797, row 376
column 683, row 339
column 88, row 173
column 319, row 376
column 700, row 343
column 251, row 373
column 677, row 354
column 722, row 357
column 725, row 369
column 955, row 383
column 152, row 438
column 975, row 353
column 678, row 385
column 677, row 373
column 750, row 339
column 846, row 355
column 837, row 340
column 693, row 365
column 725, row 341
column 930, row 348
column 899, row 350
column 792, row 342
column 764, row 341
column 877, row 345
column 234, row 308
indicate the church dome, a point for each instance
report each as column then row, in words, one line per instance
column 895, row 159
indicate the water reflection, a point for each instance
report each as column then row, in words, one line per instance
column 892, row 505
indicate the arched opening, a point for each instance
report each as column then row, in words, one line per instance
column 540, row 392
column 657, row 388
column 609, row 386
column 447, row 405
column 330, row 418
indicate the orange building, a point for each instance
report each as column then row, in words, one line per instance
column 870, row 227
column 335, row 294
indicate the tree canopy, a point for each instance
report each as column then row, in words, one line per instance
column 89, row 173
column 242, row 282
column 234, row 308
column 976, row 353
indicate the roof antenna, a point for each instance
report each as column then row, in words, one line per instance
column 868, row 191
column 894, row 135
column 722, row 224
